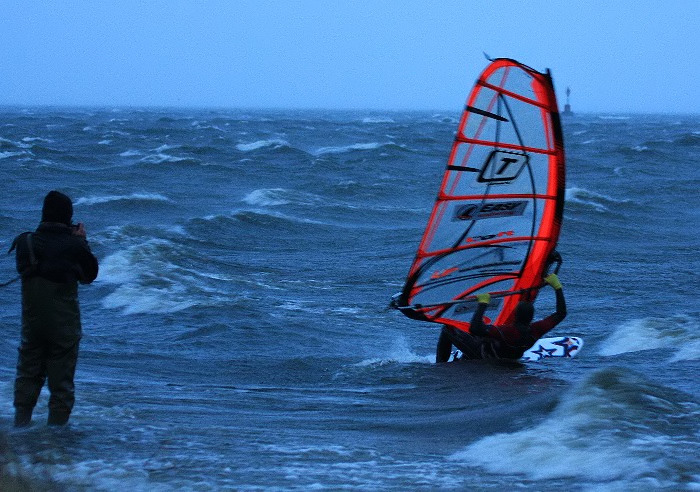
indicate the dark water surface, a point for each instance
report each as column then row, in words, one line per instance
column 238, row 335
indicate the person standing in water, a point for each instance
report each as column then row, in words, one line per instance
column 51, row 262
column 505, row 341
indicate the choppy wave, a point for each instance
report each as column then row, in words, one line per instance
column 269, row 218
column 37, row 139
column 151, row 277
column 352, row 148
column 678, row 336
column 399, row 352
column 160, row 158
column 148, row 197
column 598, row 201
column 377, row 120
column 5, row 155
column 270, row 197
column 606, row 430
column 261, row 144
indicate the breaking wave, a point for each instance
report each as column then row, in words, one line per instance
column 138, row 197
column 612, row 417
column 679, row 335
column 589, row 198
column 260, row 144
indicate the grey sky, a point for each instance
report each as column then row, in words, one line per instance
column 617, row 55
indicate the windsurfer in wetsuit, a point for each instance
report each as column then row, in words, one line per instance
column 501, row 342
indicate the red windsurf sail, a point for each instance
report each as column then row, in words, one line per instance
column 495, row 224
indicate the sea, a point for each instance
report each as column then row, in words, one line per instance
column 239, row 335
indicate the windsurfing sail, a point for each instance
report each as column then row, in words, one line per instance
column 495, row 224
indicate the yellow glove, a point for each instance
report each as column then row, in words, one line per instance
column 553, row 280
column 483, row 298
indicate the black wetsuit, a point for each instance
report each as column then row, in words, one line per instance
column 51, row 261
column 496, row 342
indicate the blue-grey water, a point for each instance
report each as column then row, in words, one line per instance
column 238, row 336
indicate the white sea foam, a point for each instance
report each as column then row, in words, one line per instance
column 36, row 139
column 147, row 283
column 130, row 153
column 160, row 158
column 151, row 277
column 275, row 143
column 591, row 198
column 94, row 200
column 678, row 335
column 599, row 432
column 377, row 120
column 5, row 155
column 399, row 352
column 104, row 142
column 270, row 197
column 535, row 453
column 350, row 148
column 98, row 474
column 165, row 147
column 135, row 299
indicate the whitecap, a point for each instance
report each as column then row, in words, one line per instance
column 104, row 142
column 165, row 147
column 377, row 120
column 678, row 335
column 603, row 420
column 160, row 158
column 130, row 153
column 350, row 148
column 94, row 200
column 5, row 155
column 36, row 139
column 275, row 143
column 255, row 215
column 399, row 352
column 135, row 299
column 591, row 198
column 148, row 282
column 270, row 197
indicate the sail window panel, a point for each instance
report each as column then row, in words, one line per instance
column 514, row 80
column 486, row 128
column 467, row 163
column 524, row 126
column 481, row 170
column 527, row 120
column 461, row 271
column 470, row 222
column 465, row 311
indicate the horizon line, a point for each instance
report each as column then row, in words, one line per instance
column 194, row 107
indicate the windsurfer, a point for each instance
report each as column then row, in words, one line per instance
column 505, row 341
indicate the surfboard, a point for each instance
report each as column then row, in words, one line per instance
column 566, row 347
column 553, row 347
column 495, row 222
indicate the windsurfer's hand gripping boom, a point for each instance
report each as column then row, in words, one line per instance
column 553, row 280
